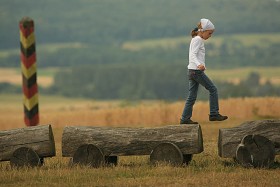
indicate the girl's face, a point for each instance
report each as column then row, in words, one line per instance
column 207, row 34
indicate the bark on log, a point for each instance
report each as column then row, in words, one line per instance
column 132, row 141
column 38, row 138
column 230, row 138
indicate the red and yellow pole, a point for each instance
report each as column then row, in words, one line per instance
column 29, row 72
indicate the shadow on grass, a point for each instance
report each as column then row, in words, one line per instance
column 234, row 163
column 275, row 165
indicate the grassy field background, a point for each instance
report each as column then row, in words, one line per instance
column 260, row 40
column 46, row 75
column 206, row 169
column 13, row 76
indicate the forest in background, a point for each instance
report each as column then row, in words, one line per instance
column 112, row 22
column 136, row 82
column 71, row 33
column 86, row 40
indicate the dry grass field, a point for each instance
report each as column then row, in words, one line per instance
column 206, row 169
column 13, row 76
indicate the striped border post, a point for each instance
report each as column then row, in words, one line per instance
column 29, row 69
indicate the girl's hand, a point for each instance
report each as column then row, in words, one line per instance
column 201, row 67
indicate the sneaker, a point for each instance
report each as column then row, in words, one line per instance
column 217, row 117
column 188, row 121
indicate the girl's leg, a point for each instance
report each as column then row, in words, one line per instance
column 187, row 112
column 203, row 79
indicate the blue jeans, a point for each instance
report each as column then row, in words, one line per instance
column 197, row 77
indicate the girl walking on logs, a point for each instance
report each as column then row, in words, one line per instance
column 196, row 74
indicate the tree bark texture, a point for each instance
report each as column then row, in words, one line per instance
column 132, row 141
column 230, row 138
column 38, row 138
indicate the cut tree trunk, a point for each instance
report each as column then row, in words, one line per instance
column 230, row 138
column 25, row 157
column 38, row 138
column 255, row 151
column 132, row 141
column 89, row 155
column 167, row 152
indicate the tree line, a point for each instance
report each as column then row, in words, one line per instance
column 231, row 53
column 112, row 22
column 135, row 82
column 153, row 81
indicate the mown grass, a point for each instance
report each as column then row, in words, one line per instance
column 238, row 74
column 205, row 169
column 45, row 76
column 260, row 40
column 45, row 48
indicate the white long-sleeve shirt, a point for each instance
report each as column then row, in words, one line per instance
column 196, row 53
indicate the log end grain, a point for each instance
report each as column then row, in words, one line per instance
column 89, row 155
column 25, row 157
column 166, row 152
column 255, row 151
column 52, row 143
column 230, row 138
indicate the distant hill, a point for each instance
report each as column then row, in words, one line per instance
column 112, row 22
column 248, row 40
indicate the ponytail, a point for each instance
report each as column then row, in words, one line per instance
column 195, row 31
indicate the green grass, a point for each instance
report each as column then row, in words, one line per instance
column 260, row 40
column 8, row 52
column 242, row 73
column 47, row 48
column 53, row 47
column 266, row 73
column 48, row 72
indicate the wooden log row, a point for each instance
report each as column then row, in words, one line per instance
column 174, row 144
column 27, row 146
column 253, row 143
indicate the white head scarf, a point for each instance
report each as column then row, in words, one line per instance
column 206, row 25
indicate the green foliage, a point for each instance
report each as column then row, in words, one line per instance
column 9, row 88
column 121, row 82
column 168, row 82
column 249, row 87
column 114, row 21
column 71, row 33
column 88, row 37
column 222, row 52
